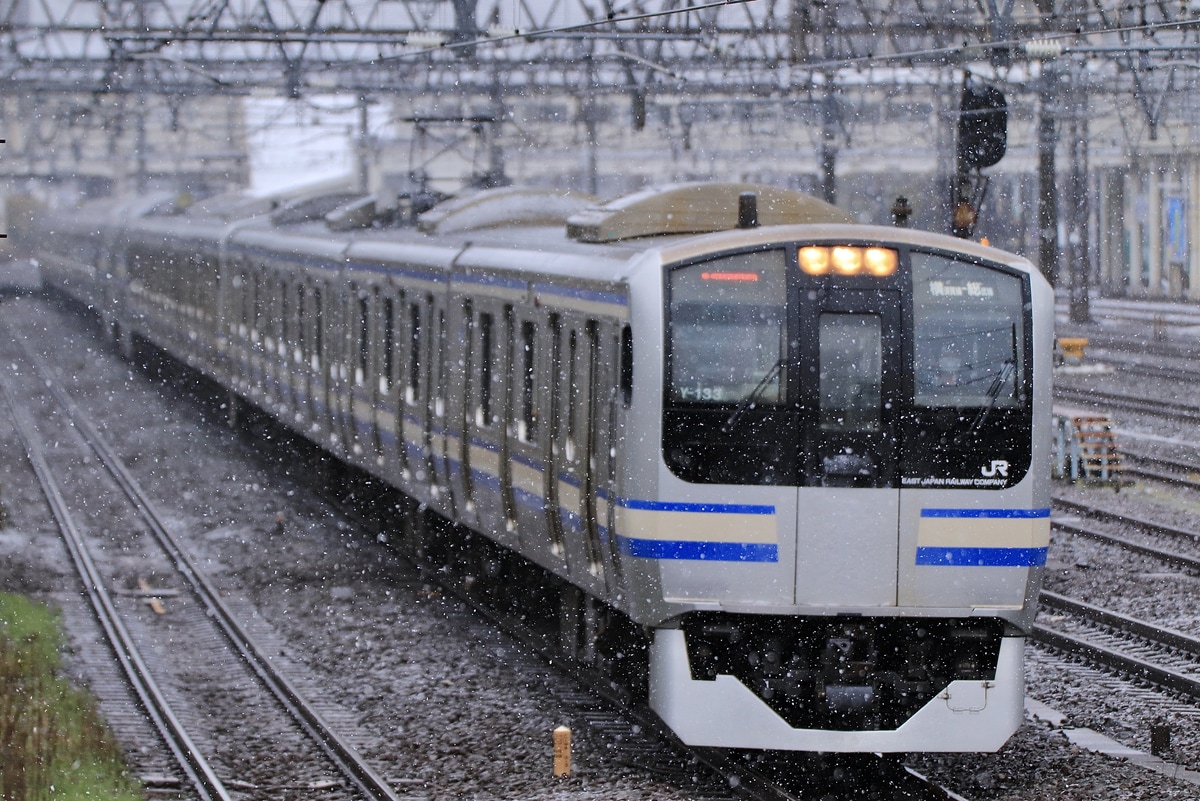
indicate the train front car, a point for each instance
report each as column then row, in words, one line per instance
column 850, row 495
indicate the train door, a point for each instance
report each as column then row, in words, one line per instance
column 572, row 473
column 387, row 408
column 326, row 351
column 480, row 415
column 461, row 398
column 343, row 355
column 528, row 444
column 439, row 420
column 558, row 520
column 274, row 339
column 848, row 520
column 305, row 361
column 508, row 399
column 257, row 318
column 415, row 430
column 360, row 390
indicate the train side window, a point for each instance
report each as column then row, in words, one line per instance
column 235, row 311
column 318, row 329
column 467, row 359
column 527, row 424
column 301, row 317
column 414, row 355
column 572, row 394
column 486, row 351
column 389, row 345
column 626, row 365
column 247, row 303
column 285, row 318
column 256, row 309
column 439, row 402
column 364, row 339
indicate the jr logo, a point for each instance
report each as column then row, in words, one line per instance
column 998, row 467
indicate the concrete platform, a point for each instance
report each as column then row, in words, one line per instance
column 1090, row 740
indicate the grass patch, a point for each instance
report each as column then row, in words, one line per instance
column 53, row 743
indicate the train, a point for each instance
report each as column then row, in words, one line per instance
column 805, row 461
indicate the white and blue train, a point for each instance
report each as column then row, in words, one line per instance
column 806, row 461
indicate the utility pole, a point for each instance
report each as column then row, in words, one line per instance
column 1047, row 190
column 363, row 145
column 1078, row 247
column 829, row 131
column 589, row 122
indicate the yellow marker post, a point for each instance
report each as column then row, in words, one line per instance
column 562, row 752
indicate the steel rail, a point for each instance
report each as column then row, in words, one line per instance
column 1153, row 632
column 1150, row 526
column 1160, row 468
column 1129, row 403
column 336, row 748
column 1164, row 556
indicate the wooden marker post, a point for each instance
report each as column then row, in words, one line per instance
column 562, row 752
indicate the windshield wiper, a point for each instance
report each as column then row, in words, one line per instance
column 993, row 394
column 1008, row 369
column 747, row 403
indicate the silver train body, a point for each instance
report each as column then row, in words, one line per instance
column 810, row 461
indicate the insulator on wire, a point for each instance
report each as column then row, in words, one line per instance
column 1043, row 48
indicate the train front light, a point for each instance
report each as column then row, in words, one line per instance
column 875, row 262
column 814, row 260
column 880, row 262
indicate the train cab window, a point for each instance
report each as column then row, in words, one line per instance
column 971, row 418
column 851, row 372
column 968, row 323
column 727, row 341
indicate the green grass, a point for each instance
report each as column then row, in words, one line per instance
column 53, row 744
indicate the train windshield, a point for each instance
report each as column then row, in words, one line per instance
column 778, row 372
column 728, row 333
column 967, row 326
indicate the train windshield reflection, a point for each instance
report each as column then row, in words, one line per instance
column 728, row 330
column 967, row 323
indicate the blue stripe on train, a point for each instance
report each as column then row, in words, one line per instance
column 981, row 557
column 1008, row 514
column 701, row 551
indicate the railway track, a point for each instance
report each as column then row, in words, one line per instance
column 207, row 610
column 1161, row 468
column 1108, row 400
column 1128, row 519
column 1134, row 648
column 1138, row 649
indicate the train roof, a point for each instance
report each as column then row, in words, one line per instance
column 559, row 232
